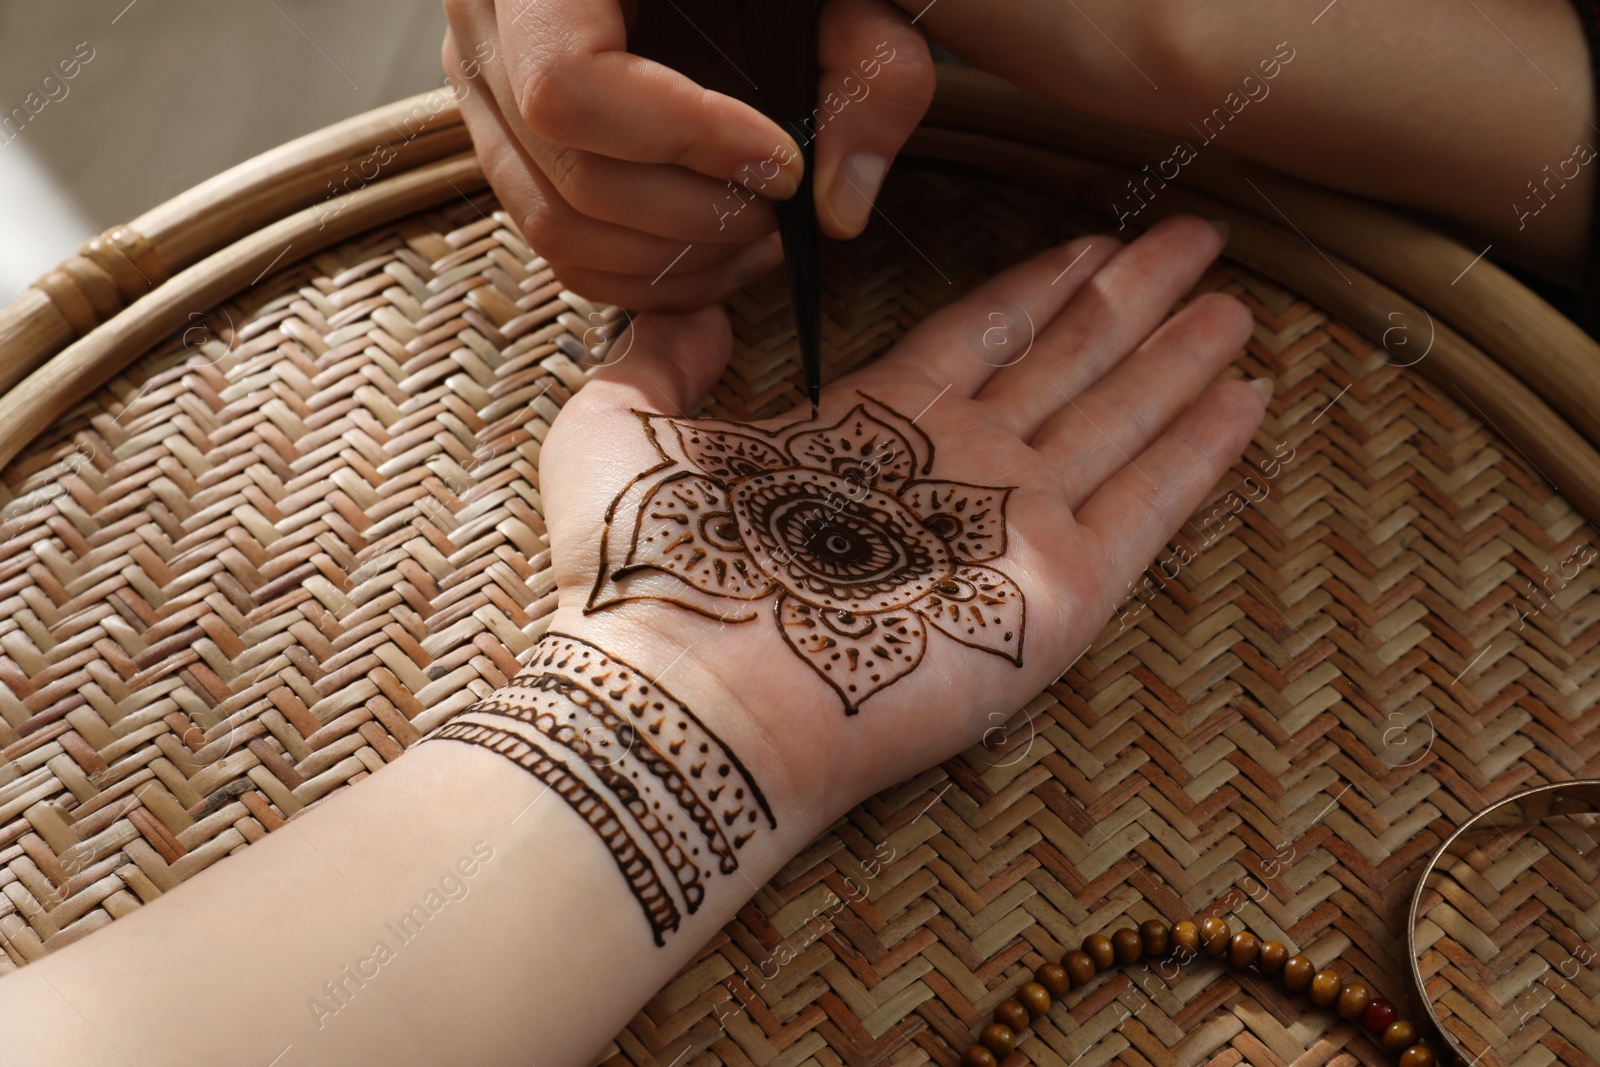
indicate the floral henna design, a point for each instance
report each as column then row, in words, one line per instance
column 656, row 785
column 858, row 551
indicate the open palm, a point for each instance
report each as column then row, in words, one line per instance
column 876, row 586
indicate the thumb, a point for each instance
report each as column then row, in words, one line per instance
column 664, row 362
column 877, row 82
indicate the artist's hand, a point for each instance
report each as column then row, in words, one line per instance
column 640, row 185
column 1314, row 91
column 802, row 568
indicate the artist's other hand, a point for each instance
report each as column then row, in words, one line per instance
column 644, row 186
column 1487, row 124
column 1111, row 431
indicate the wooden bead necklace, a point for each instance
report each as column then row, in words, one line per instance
column 1212, row 938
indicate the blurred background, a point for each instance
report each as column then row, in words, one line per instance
column 108, row 107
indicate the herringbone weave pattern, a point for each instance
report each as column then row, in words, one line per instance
column 261, row 563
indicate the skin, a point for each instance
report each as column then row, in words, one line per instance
column 1438, row 107
column 612, row 163
column 545, row 955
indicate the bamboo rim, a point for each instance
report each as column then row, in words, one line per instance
column 267, row 207
column 85, row 365
column 173, row 236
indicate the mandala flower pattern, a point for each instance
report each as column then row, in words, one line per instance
column 839, row 527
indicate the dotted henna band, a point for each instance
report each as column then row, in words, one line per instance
column 654, row 821
column 639, row 872
column 656, row 785
column 637, row 745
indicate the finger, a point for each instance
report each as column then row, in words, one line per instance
column 1118, row 417
column 551, row 225
column 574, row 84
column 667, row 202
column 963, row 343
column 664, row 362
column 1135, row 512
column 674, row 289
column 877, row 82
column 1113, row 314
column 648, row 198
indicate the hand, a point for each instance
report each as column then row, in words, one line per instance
column 821, row 588
column 645, row 187
column 1081, row 520
column 1312, row 91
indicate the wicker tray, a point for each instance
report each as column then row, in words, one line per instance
column 281, row 515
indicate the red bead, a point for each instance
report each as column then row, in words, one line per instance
column 1379, row 1014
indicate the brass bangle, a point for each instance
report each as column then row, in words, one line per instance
column 1578, row 797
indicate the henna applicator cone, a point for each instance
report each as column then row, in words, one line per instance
column 780, row 39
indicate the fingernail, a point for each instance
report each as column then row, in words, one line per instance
column 757, row 261
column 1262, row 386
column 855, row 189
column 1222, row 227
column 758, row 178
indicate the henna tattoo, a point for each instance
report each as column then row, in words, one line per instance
column 859, row 551
column 660, row 789
column 601, row 817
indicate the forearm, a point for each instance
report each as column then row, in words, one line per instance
column 461, row 906
column 1450, row 109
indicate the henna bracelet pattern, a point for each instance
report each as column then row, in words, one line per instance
column 657, row 786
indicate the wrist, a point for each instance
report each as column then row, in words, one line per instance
column 660, row 784
column 682, row 662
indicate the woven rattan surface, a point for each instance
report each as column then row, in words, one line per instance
column 258, row 565
column 1518, row 900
